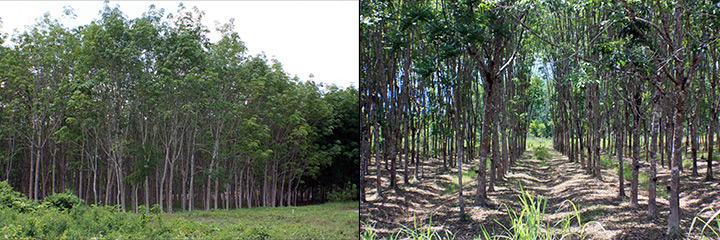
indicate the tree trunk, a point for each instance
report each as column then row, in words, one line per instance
column 652, row 175
column 618, row 151
column 674, row 218
column 147, row 195
column 635, row 149
column 694, row 138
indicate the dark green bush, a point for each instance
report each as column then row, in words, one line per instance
column 52, row 223
column 347, row 193
column 15, row 200
column 63, row 201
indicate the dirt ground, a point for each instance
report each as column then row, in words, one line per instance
column 556, row 179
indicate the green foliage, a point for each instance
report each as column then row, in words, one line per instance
column 540, row 129
column 541, row 153
column 530, row 222
column 11, row 199
column 329, row 221
column 414, row 232
column 346, row 193
column 63, row 201
column 627, row 174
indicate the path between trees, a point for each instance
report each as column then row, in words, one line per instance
column 555, row 179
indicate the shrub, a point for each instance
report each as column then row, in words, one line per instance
column 15, row 200
column 155, row 208
column 63, row 201
column 541, row 153
column 257, row 233
column 53, row 224
column 347, row 193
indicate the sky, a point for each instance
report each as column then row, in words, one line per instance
column 318, row 37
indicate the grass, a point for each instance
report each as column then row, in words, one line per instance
column 541, row 153
column 63, row 216
column 533, row 142
column 405, row 232
column 714, row 233
column 530, row 222
column 643, row 179
column 335, row 220
column 324, row 221
column 452, row 186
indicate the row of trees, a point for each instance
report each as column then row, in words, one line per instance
column 444, row 77
column 149, row 110
column 636, row 69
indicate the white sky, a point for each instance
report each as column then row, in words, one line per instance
column 318, row 37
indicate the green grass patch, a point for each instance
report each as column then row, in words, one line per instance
column 541, row 153
column 533, row 142
column 643, row 179
column 335, row 220
column 452, row 186
column 449, row 187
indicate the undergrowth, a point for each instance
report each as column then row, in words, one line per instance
column 63, row 216
column 643, row 179
column 541, row 153
column 527, row 223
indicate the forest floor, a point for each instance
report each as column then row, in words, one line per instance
column 556, row 179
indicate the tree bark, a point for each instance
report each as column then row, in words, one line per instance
column 652, row 175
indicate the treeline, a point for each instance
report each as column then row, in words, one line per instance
column 150, row 111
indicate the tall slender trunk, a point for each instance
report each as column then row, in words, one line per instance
column 711, row 132
column 635, row 149
column 108, row 185
column 480, row 193
column 694, row 144
column 217, row 191
column 652, row 175
column 618, row 151
column 674, row 218
column 378, row 156
column 459, row 150
column 147, row 195
column 170, row 189
column 135, row 198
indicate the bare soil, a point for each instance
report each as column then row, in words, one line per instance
column 431, row 197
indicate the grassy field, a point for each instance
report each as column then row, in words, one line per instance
column 324, row 221
column 62, row 216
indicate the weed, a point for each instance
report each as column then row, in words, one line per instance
column 530, row 222
column 423, row 233
column 707, row 223
column 541, row 153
